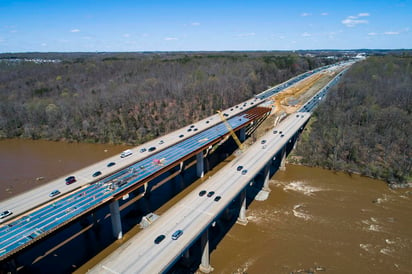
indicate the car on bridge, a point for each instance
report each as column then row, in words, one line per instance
column 54, row 193
column 244, row 171
column 111, row 164
column 177, row 234
column 70, row 180
column 239, row 168
column 159, row 239
column 97, row 173
column 202, row 193
column 210, row 194
column 126, row 153
column 217, row 198
column 5, row 213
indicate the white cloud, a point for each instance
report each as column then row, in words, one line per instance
column 195, row 24
column 75, row 30
column 126, row 35
column 305, row 14
column 171, row 39
column 372, row 33
column 305, row 34
column 43, row 44
column 352, row 21
column 324, row 13
column 246, row 34
column 391, row 32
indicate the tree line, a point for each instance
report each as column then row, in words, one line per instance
column 131, row 97
column 365, row 124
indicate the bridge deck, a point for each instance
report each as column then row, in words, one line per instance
column 193, row 214
column 42, row 221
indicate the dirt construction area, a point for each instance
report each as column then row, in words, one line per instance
column 292, row 98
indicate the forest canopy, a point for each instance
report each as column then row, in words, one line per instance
column 131, row 97
column 365, row 123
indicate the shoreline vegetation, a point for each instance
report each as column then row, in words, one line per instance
column 365, row 124
column 364, row 127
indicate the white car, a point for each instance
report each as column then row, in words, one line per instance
column 126, row 153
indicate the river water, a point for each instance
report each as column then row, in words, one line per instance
column 314, row 220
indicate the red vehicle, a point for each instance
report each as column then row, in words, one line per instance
column 70, row 180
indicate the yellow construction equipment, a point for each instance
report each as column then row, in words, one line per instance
column 239, row 144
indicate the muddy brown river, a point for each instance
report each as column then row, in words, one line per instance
column 314, row 221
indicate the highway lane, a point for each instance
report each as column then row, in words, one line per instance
column 42, row 221
column 84, row 176
column 56, row 212
column 40, row 195
column 193, row 214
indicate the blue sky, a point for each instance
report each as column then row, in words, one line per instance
column 126, row 25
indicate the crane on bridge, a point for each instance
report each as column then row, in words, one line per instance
column 239, row 144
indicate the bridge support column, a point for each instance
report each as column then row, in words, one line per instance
column 266, row 178
column 205, row 266
column 200, row 164
column 242, row 220
column 264, row 192
column 242, row 134
column 116, row 221
column 282, row 166
column 182, row 166
column 146, row 192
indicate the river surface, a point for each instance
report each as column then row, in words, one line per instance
column 314, row 220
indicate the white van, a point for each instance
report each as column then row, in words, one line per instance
column 126, row 153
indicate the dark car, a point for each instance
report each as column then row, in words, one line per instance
column 181, row 136
column 210, row 194
column 202, row 193
column 97, row 173
column 70, row 180
column 263, row 142
column 275, row 131
column 111, row 164
column 152, row 148
column 244, row 171
column 239, row 168
column 142, row 150
column 159, row 239
column 217, row 198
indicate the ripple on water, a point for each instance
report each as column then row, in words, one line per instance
column 301, row 187
column 298, row 211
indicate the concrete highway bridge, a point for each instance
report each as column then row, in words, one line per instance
column 112, row 180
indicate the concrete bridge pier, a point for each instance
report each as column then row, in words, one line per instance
column 116, row 221
column 282, row 166
column 205, row 266
column 242, row 220
column 181, row 167
column 146, row 191
column 266, row 175
column 200, row 164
